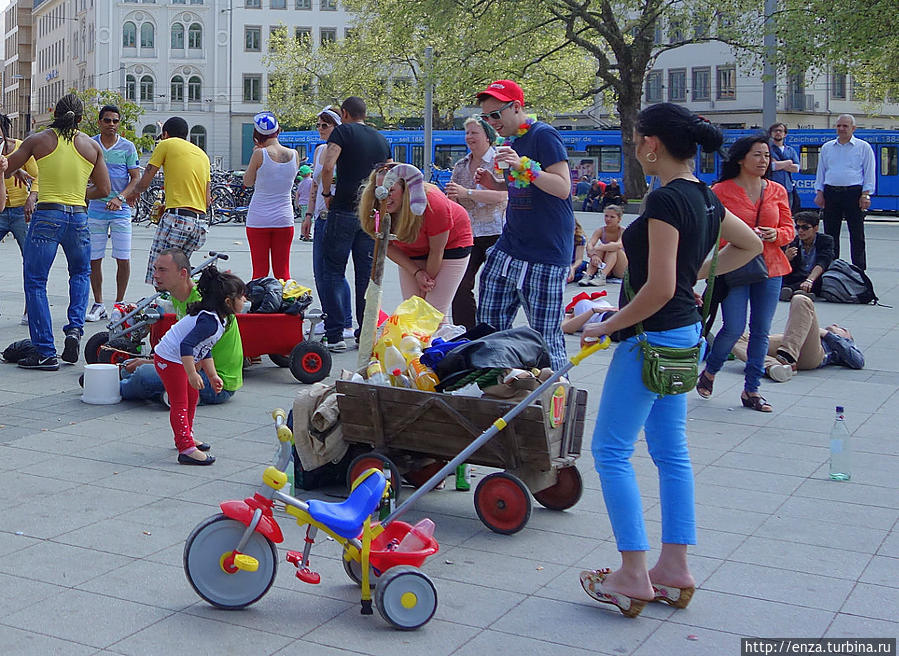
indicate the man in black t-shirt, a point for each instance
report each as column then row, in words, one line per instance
column 355, row 148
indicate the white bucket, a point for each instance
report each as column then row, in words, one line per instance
column 101, row 384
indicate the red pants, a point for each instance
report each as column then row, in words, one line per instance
column 274, row 241
column 182, row 402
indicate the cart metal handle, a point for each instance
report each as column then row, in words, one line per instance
column 497, row 426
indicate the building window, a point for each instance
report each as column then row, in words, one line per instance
column 677, row 85
column 253, row 4
column 177, row 36
column 304, row 5
column 129, row 35
column 149, row 131
column 329, row 5
column 676, row 32
column 276, row 34
column 838, row 86
column 179, row 2
column 278, row 4
column 147, row 35
column 303, row 35
column 252, row 39
column 198, row 136
column 702, row 84
column 657, row 33
column 194, row 89
column 327, row 35
column 146, row 89
column 727, row 82
column 196, row 2
column 252, row 88
column 195, row 36
column 654, row 87
column 177, row 89
column 130, row 88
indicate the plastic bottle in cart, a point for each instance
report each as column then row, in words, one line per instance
column 418, row 537
column 410, row 347
column 375, row 373
column 840, row 450
column 423, row 376
column 394, row 362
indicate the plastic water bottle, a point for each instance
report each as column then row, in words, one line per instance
column 840, row 449
column 394, row 362
column 418, row 537
column 423, row 376
column 410, row 347
column 375, row 373
column 388, row 504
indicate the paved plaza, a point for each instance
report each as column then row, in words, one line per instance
column 95, row 511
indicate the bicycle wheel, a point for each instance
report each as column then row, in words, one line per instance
column 221, row 199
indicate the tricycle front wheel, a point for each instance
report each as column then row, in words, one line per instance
column 310, row 362
column 406, row 597
column 206, row 553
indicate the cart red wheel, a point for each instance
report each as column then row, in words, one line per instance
column 503, row 503
column 565, row 493
column 280, row 360
column 111, row 356
column 310, row 362
column 374, row 460
column 93, row 346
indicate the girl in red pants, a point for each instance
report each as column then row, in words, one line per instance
column 186, row 348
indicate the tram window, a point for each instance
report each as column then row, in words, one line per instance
column 889, row 160
column 609, row 157
column 446, row 156
column 399, row 153
column 809, row 160
column 301, row 152
column 706, row 162
column 418, row 157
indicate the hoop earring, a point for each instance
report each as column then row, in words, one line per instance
column 651, row 157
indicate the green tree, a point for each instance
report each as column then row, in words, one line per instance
column 131, row 112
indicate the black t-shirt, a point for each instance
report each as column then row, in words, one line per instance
column 686, row 206
column 361, row 147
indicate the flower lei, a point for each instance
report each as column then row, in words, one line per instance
column 528, row 170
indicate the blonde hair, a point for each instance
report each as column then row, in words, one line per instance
column 404, row 224
column 578, row 230
column 614, row 208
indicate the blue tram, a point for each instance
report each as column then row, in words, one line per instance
column 597, row 153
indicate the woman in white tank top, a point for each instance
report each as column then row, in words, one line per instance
column 272, row 171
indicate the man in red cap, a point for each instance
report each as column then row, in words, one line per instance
column 528, row 266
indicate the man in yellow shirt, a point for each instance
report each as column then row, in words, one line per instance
column 186, row 170
column 20, row 199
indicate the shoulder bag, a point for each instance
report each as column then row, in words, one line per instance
column 755, row 270
column 668, row 370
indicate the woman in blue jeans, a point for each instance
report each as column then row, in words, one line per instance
column 666, row 248
column 765, row 207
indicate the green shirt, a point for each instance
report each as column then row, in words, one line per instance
column 227, row 354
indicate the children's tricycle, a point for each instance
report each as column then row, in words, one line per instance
column 230, row 558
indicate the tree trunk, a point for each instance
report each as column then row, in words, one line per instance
column 634, row 178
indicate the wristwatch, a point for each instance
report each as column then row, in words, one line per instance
column 469, row 193
column 121, row 198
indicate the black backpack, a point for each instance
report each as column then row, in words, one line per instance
column 846, row 283
column 19, row 351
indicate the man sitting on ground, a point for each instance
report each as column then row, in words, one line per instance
column 810, row 254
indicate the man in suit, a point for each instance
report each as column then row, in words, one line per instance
column 810, row 253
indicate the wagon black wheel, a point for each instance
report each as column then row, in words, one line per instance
column 503, row 503
column 310, row 362
column 280, row 360
column 565, row 493
column 93, row 346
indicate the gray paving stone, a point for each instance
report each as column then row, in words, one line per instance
column 505, row 644
column 17, row 641
column 853, row 626
column 875, row 601
column 671, row 638
column 799, row 557
column 821, row 533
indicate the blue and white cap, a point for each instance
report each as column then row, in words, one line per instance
column 265, row 123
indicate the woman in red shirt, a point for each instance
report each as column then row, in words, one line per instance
column 434, row 237
column 764, row 206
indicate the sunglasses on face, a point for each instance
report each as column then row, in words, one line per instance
column 110, row 120
column 497, row 114
column 322, row 126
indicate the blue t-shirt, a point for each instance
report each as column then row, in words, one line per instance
column 783, row 177
column 539, row 226
column 120, row 158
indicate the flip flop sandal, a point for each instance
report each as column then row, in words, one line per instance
column 676, row 597
column 704, row 385
column 756, row 403
column 592, row 582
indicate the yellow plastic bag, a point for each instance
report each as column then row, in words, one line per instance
column 293, row 289
column 414, row 316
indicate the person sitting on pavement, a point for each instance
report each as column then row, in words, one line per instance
column 612, row 195
column 587, row 311
column 810, row 254
column 803, row 345
column 605, row 251
column 171, row 272
column 578, row 257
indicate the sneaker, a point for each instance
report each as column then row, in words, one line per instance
column 780, row 373
column 336, row 347
column 348, row 333
column 598, row 280
column 73, row 342
column 786, row 294
column 319, row 328
column 35, row 361
column 24, row 321
column 96, row 313
column 585, row 280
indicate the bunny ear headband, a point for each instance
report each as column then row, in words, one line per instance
column 418, row 200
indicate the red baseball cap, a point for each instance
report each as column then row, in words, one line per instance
column 505, row 90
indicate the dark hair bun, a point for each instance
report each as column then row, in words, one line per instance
column 706, row 135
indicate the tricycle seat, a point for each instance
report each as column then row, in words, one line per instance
column 346, row 518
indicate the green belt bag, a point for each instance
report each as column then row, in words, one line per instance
column 668, row 370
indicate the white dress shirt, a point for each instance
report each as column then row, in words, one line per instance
column 845, row 165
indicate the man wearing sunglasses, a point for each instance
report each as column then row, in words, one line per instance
column 528, row 266
column 810, row 254
column 110, row 217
